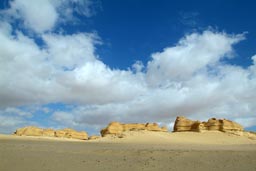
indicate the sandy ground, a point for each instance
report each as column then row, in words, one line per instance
column 136, row 151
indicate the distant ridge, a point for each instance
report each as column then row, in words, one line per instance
column 64, row 133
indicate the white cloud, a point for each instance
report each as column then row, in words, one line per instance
column 39, row 15
column 67, row 8
column 210, row 89
column 138, row 66
column 96, row 83
column 13, row 118
column 64, row 118
column 9, row 124
column 187, row 79
column 43, row 15
column 22, row 65
column 70, row 51
column 192, row 53
column 16, row 111
column 66, row 70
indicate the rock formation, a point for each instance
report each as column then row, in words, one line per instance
column 70, row 133
column 116, row 128
column 29, row 131
column 213, row 124
column 64, row 133
column 93, row 137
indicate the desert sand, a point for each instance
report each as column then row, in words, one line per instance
column 142, row 150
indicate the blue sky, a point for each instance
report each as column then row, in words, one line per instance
column 84, row 63
column 142, row 27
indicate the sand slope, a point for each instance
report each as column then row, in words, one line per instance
column 209, row 137
column 137, row 151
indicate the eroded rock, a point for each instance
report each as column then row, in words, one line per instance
column 94, row 137
column 116, row 128
column 213, row 124
column 29, row 131
column 64, row 133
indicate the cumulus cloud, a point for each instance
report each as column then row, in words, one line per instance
column 190, row 78
column 43, row 15
column 210, row 88
column 66, row 70
column 192, row 53
column 187, row 79
column 70, row 51
column 38, row 15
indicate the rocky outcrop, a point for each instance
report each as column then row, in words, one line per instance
column 48, row 132
column 70, row 133
column 213, row 124
column 184, row 124
column 94, row 137
column 29, row 131
column 64, row 133
column 116, row 128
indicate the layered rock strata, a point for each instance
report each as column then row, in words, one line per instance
column 116, row 128
column 213, row 124
column 64, row 133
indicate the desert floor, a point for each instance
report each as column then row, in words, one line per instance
column 136, row 151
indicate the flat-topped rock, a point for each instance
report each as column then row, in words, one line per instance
column 213, row 124
column 64, row 133
column 116, row 128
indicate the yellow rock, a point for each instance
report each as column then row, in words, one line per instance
column 60, row 133
column 213, row 124
column 48, row 132
column 29, row 131
column 70, row 133
column 116, row 128
column 94, row 137
column 65, row 133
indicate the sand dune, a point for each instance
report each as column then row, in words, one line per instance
column 181, row 138
column 142, row 150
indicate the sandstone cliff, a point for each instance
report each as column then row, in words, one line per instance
column 213, row 124
column 116, row 128
column 64, row 133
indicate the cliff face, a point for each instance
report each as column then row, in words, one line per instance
column 116, row 128
column 213, row 124
column 64, row 133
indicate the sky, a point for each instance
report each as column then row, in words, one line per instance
column 84, row 63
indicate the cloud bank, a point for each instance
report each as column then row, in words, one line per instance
column 191, row 78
